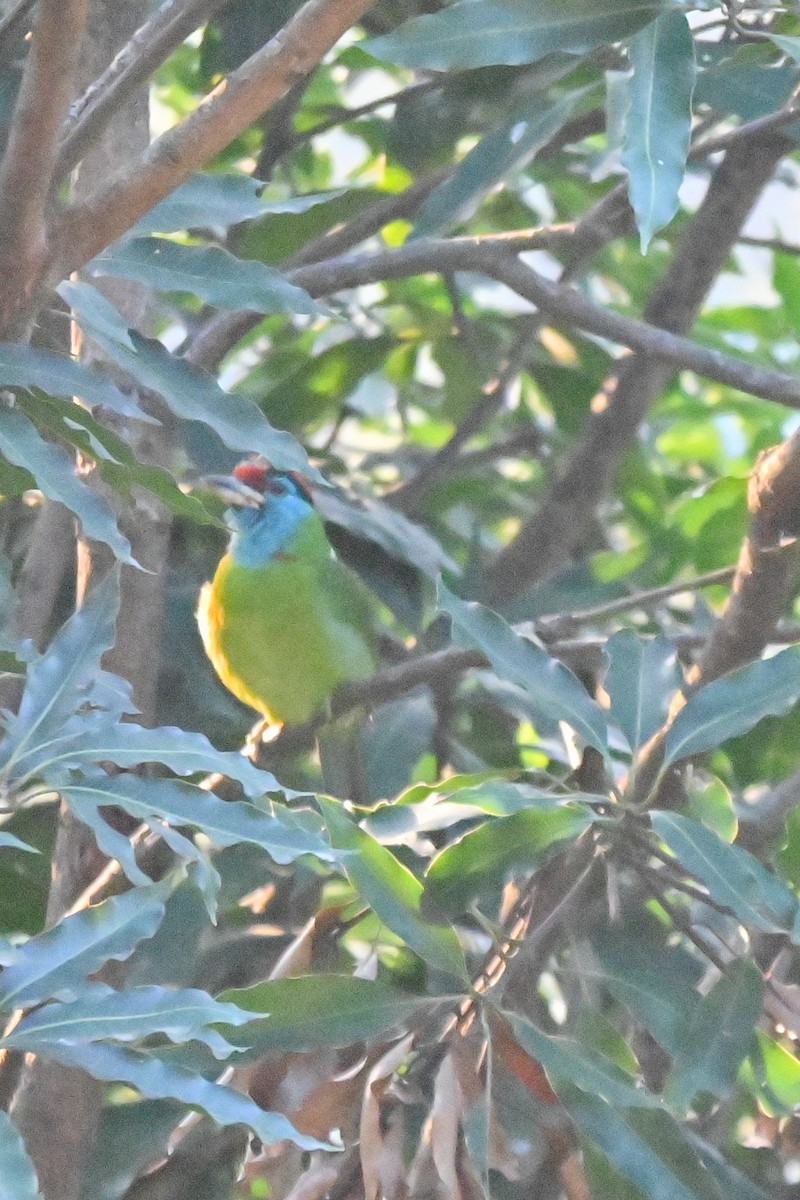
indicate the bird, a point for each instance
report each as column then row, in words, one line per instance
column 283, row 621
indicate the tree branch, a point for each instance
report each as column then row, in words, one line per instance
column 149, row 47
column 494, row 256
column 87, row 228
column 567, row 508
column 26, row 172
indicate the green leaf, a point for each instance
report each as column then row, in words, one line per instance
column 55, row 474
column 161, row 1080
column 789, row 45
column 17, row 1174
column 659, row 120
column 482, row 33
column 60, row 681
column 219, row 200
column 58, row 960
column 209, row 272
column 733, row 877
column 481, row 860
column 497, row 155
column 734, row 1184
column 642, row 678
column 92, row 737
column 25, row 367
column 190, row 393
column 391, row 891
column 719, row 1036
column 774, row 1072
column 181, row 1014
column 656, row 982
column 8, row 839
column 130, row 1139
column 368, row 518
column 311, row 1011
column 550, row 686
column 647, row 1147
column 225, row 823
column 711, row 803
column 731, row 705
column 565, row 1058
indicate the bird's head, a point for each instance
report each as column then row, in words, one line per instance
column 266, row 508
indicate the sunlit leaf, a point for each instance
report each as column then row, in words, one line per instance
column 481, row 860
column 390, row 889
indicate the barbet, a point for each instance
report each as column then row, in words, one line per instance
column 283, row 621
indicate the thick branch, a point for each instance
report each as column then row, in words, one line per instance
column 566, row 512
column 149, row 47
column 27, row 169
column 247, row 93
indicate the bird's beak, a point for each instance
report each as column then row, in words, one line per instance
column 231, row 491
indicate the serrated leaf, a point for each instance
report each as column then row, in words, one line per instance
column 647, row 1147
column 93, row 738
column 377, row 522
column 719, row 1036
column 60, row 680
column 565, row 1058
column 225, row 823
column 482, row 33
column 218, row 200
column 550, row 686
column 497, row 155
column 733, row 877
column 181, row 1014
column 161, row 1080
column 311, row 1011
column 17, row 1174
column 482, row 859
column 729, row 706
column 189, row 392
column 213, row 274
column 57, row 961
column 55, row 474
column 659, row 119
column 26, row 367
column 391, row 891
column 642, row 678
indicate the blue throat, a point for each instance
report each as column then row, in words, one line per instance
column 260, row 533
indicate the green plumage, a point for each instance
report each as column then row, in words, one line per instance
column 283, row 635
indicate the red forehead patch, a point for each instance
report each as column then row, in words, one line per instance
column 257, row 476
column 253, row 474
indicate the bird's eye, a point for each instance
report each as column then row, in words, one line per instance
column 276, row 487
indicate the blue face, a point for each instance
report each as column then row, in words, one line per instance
column 259, row 533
